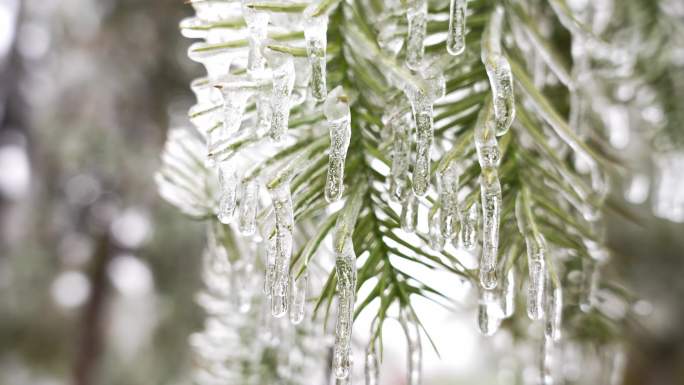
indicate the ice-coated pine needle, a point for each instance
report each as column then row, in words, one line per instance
column 536, row 256
column 228, row 182
column 417, row 16
column 282, row 253
column 414, row 349
column 457, row 27
column 336, row 110
column 315, row 35
column 499, row 73
column 298, row 297
column 247, row 210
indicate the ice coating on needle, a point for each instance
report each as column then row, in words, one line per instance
column 499, row 73
column 457, row 27
column 247, row 210
column 315, row 35
column 228, row 182
column 283, row 77
column 489, row 314
column 282, row 247
column 417, row 16
column 336, row 110
column 298, row 298
column 554, row 313
column 414, row 349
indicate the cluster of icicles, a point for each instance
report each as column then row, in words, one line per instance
column 253, row 82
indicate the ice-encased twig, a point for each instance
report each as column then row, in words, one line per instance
column 498, row 72
column 336, row 110
column 315, row 35
column 457, row 27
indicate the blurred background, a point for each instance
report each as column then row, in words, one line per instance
column 97, row 274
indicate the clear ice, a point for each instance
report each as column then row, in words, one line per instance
column 417, row 16
column 282, row 247
column 315, row 34
column 457, row 27
column 336, row 110
column 298, row 298
column 409, row 212
column 283, row 77
column 414, row 349
column 228, row 183
column 248, row 206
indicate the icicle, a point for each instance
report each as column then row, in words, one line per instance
column 270, row 267
column 345, row 265
column 247, row 211
column 508, row 293
column 422, row 107
column 372, row 368
column 590, row 277
column 315, row 34
column 337, row 113
column 236, row 90
column 457, row 27
column 298, row 298
column 257, row 24
column 448, row 188
column 491, row 214
column 489, row 314
column 490, row 190
column 216, row 61
column 498, row 72
column 401, row 154
column 417, row 16
column 554, row 313
column 282, row 66
column 264, row 111
column 546, row 362
column 284, row 224
column 467, row 234
column 414, row 353
column 409, row 212
column 536, row 258
column 227, row 192
column 436, row 238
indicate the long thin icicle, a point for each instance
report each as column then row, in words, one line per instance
column 345, row 267
column 236, row 90
column 554, row 312
column 414, row 349
column 409, row 212
column 467, row 234
column 282, row 240
column 536, row 255
column 315, row 34
column 448, row 188
column 490, row 190
column 498, row 72
column 457, row 27
column 508, row 293
column 337, row 113
column 417, row 16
